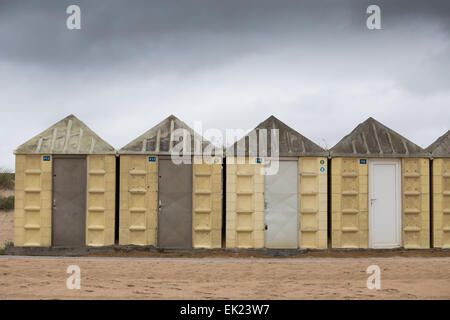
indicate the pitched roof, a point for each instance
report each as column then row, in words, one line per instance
column 291, row 143
column 68, row 136
column 160, row 139
column 441, row 147
column 373, row 139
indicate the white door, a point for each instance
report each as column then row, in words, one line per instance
column 281, row 207
column 384, row 204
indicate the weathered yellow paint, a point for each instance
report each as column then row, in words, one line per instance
column 138, row 200
column 33, row 198
column 244, row 203
column 34, row 179
column 441, row 203
column 100, row 200
column 207, row 205
column 416, row 203
column 312, row 202
column 33, row 194
column 349, row 203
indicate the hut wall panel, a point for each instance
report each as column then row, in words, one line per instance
column 138, row 200
column 415, row 206
column 312, row 203
column 441, row 203
column 349, row 207
column 244, row 203
column 207, row 205
column 100, row 200
column 33, row 196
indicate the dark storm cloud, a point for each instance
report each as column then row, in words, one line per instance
column 230, row 63
column 405, row 13
column 186, row 35
column 166, row 33
column 415, row 13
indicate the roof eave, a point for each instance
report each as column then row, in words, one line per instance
column 372, row 155
column 64, row 153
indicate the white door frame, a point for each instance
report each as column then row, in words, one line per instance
column 398, row 178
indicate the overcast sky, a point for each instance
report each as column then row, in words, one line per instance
column 228, row 63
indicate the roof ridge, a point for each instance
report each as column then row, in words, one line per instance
column 291, row 142
column 441, row 146
column 373, row 138
column 159, row 138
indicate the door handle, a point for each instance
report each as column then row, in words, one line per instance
column 371, row 201
column 265, row 227
column 160, row 204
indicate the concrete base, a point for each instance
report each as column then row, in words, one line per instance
column 131, row 250
column 83, row 251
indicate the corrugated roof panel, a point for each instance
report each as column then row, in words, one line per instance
column 291, row 143
column 373, row 139
column 68, row 136
column 441, row 147
column 157, row 140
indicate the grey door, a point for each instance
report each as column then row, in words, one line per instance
column 69, row 202
column 281, row 207
column 175, row 205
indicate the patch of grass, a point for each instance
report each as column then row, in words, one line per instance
column 6, row 179
column 8, row 244
column 7, row 204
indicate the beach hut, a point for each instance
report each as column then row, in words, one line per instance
column 65, row 188
column 276, row 190
column 440, row 152
column 166, row 203
column 379, row 190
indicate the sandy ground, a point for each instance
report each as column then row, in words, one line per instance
column 140, row 274
column 310, row 278
column 6, row 227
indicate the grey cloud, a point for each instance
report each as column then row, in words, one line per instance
column 313, row 64
column 171, row 35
